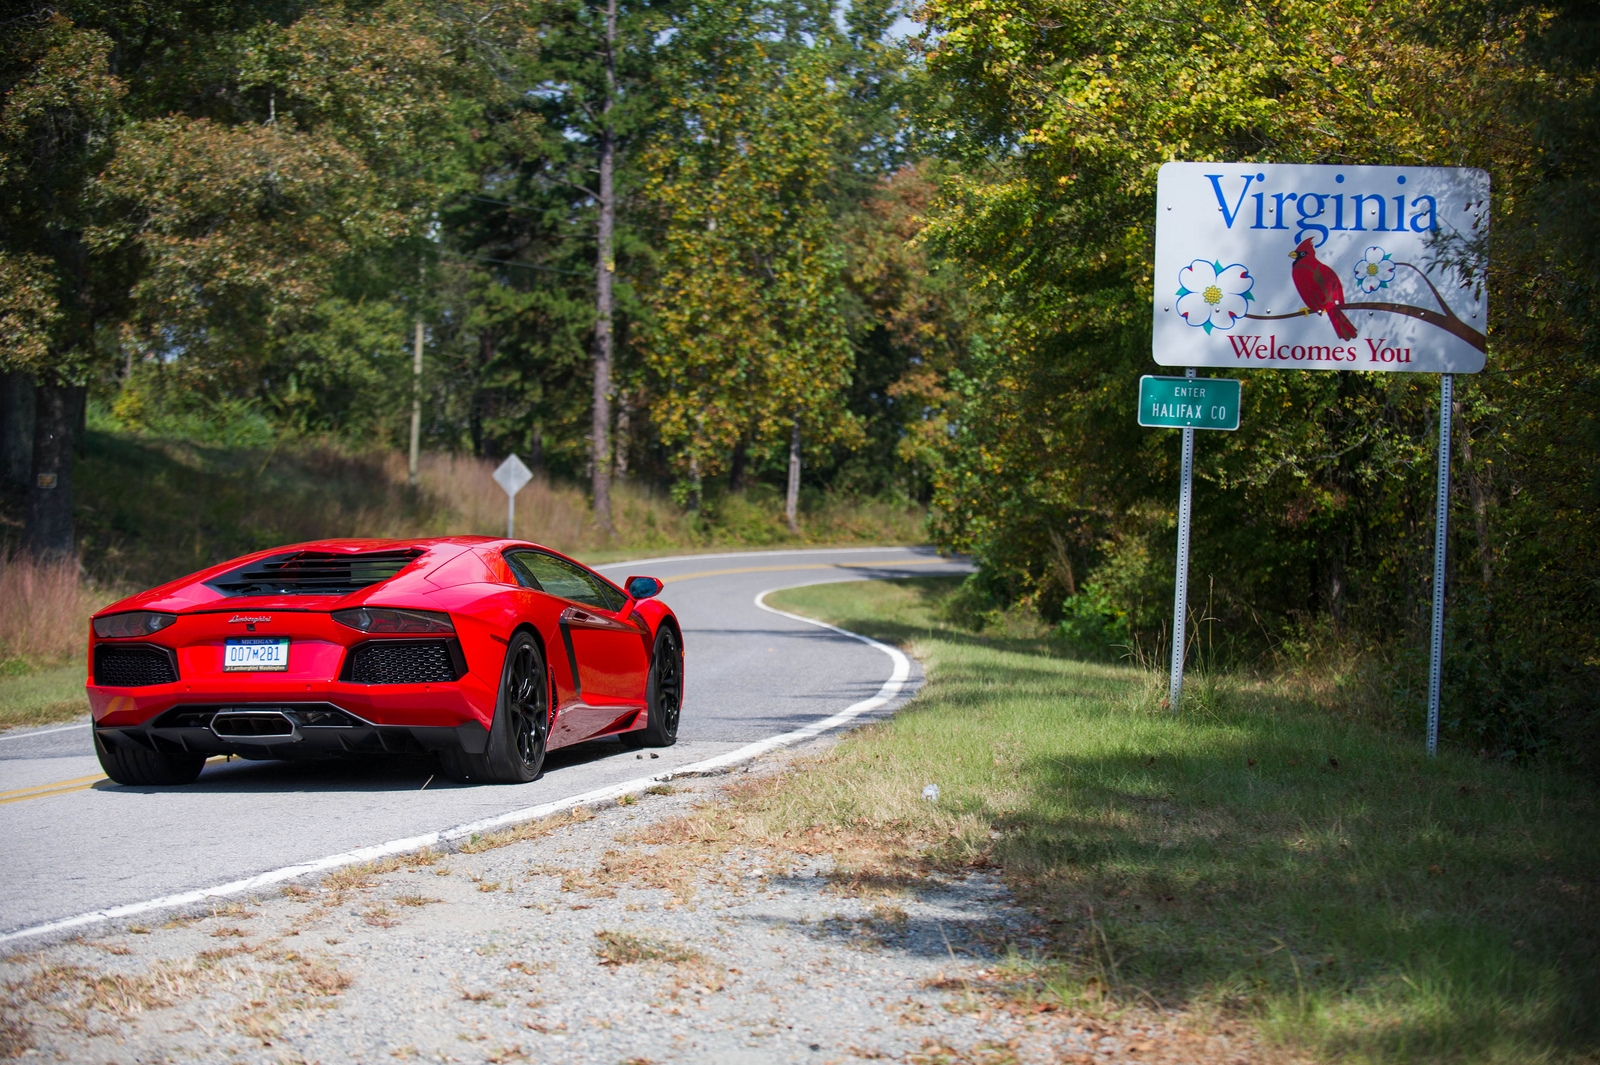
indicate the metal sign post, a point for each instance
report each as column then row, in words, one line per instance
column 1441, row 535
column 1186, row 403
column 1180, row 595
column 512, row 475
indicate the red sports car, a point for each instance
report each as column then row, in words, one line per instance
column 484, row 653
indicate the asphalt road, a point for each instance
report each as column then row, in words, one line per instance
column 75, row 843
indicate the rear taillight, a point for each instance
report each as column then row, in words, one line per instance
column 384, row 619
column 137, row 623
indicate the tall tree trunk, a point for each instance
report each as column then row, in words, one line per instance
column 16, row 429
column 622, row 439
column 604, row 269
column 791, row 499
column 412, row 473
column 736, row 467
column 80, row 421
column 1336, row 584
column 48, row 528
column 1478, row 495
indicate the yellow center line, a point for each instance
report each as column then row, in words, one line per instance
column 803, row 565
column 46, row 793
column 66, row 787
column 25, row 792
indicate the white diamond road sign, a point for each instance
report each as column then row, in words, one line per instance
column 512, row 475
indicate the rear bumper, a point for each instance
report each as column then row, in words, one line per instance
column 439, row 705
column 287, row 731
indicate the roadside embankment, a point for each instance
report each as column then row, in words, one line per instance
column 1253, row 858
column 653, row 929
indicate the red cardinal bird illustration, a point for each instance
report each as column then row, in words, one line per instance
column 1319, row 286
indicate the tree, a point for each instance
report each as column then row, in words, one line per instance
column 749, row 340
column 61, row 106
column 1058, row 114
column 597, row 95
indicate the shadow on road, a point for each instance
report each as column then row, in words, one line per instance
column 394, row 773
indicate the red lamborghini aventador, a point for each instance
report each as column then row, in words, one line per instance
column 485, row 653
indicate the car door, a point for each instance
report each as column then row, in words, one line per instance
column 605, row 650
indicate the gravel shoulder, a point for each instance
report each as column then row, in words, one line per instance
column 620, row 934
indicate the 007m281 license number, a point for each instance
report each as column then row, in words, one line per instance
column 256, row 654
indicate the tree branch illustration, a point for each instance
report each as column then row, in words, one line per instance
column 1446, row 321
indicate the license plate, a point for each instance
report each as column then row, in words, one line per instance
column 256, row 654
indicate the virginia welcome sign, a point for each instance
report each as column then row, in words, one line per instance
column 1273, row 266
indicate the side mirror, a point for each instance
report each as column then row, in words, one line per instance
column 642, row 587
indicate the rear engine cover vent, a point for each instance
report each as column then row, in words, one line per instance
column 133, row 667
column 314, row 573
column 404, row 662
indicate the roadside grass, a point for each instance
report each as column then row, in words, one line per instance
column 44, row 610
column 1256, row 856
column 43, row 697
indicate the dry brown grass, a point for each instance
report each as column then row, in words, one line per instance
column 358, row 877
column 556, row 515
column 44, row 608
column 527, row 830
column 628, row 948
column 267, row 980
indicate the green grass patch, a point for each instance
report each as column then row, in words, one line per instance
column 1256, row 856
column 42, row 696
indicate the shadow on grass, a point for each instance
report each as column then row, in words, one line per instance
column 1350, row 893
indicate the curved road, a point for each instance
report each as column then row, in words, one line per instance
column 76, row 844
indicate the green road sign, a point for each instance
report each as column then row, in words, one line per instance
column 1189, row 402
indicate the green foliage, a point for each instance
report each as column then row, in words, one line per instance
column 1058, row 114
column 748, row 335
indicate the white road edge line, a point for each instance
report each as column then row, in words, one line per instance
column 890, row 689
column 44, row 731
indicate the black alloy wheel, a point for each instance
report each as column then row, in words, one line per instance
column 663, row 694
column 526, row 699
column 515, row 748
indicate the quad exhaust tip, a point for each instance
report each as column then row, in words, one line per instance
column 253, row 725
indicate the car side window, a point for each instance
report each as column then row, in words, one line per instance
column 520, row 572
column 535, row 569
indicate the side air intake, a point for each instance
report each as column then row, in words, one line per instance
column 405, row 662
column 314, row 573
column 133, row 667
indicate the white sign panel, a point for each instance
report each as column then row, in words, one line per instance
column 512, row 475
column 1273, row 266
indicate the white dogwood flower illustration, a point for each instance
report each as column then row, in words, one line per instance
column 1213, row 296
column 1374, row 270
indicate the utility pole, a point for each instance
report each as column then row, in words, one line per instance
column 416, row 408
column 791, row 499
column 605, row 268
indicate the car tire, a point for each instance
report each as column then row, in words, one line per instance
column 520, row 733
column 663, row 694
column 141, row 767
